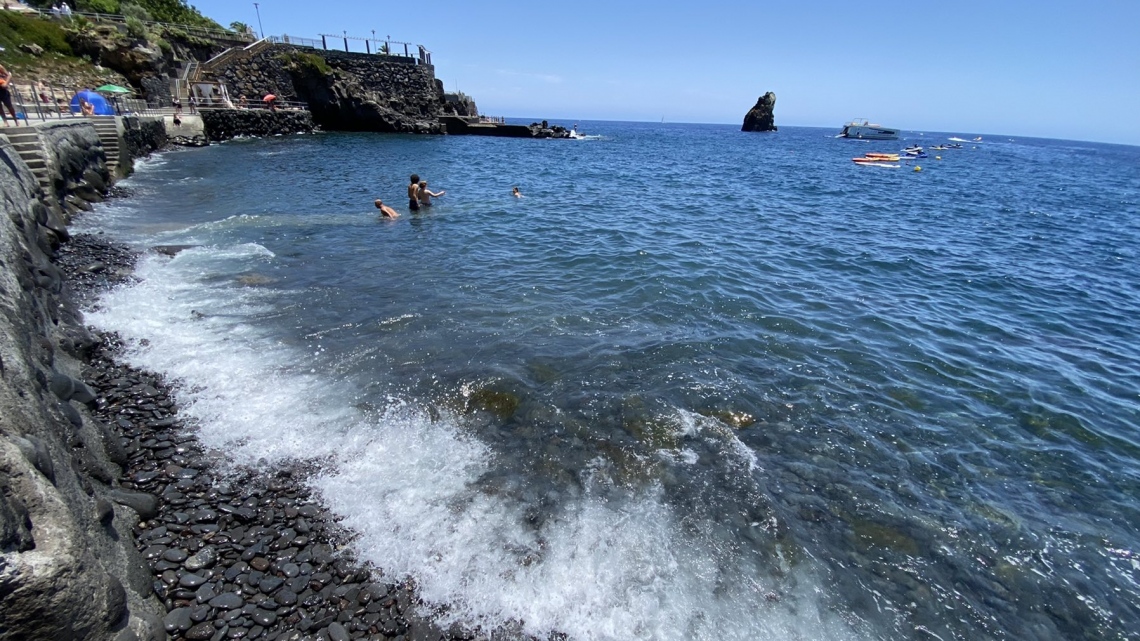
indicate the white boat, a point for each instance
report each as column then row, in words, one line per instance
column 864, row 129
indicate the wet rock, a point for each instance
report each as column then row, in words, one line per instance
column 177, row 620
column 145, row 504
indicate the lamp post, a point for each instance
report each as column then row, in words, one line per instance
column 257, row 8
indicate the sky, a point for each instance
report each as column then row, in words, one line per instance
column 1042, row 68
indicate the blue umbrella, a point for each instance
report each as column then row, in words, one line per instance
column 102, row 107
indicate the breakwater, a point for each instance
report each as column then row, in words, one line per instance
column 226, row 124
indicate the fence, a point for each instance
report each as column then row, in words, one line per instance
column 372, row 46
column 54, row 102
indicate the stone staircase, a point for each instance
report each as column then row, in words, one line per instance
column 26, row 142
column 107, row 127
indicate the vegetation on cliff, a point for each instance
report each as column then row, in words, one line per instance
column 172, row 11
column 38, row 49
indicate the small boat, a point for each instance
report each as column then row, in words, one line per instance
column 877, row 160
column 939, row 148
column 873, row 162
column 861, row 128
column 914, row 151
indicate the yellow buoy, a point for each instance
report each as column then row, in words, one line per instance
column 917, row 168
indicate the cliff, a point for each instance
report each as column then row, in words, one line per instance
column 761, row 117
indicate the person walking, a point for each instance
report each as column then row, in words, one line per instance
column 6, row 96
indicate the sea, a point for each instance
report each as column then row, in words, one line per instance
column 695, row 384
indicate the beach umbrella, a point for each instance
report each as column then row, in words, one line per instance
column 113, row 89
column 102, row 107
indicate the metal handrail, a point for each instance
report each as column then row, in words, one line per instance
column 48, row 102
column 417, row 52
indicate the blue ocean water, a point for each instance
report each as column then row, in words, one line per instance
column 697, row 384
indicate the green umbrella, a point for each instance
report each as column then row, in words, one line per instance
column 113, row 89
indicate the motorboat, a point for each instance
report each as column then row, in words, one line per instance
column 864, row 129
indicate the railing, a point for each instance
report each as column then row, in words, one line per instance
column 372, row 46
column 54, row 102
column 259, row 105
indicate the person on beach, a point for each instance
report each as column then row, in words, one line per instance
column 86, row 108
column 6, row 96
column 413, row 193
column 385, row 210
column 425, row 194
column 516, row 193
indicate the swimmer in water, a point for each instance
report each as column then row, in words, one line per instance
column 385, row 210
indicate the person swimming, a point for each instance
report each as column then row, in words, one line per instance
column 385, row 210
column 425, row 194
column 516, row 193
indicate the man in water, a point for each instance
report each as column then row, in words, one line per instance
column 385, row 210
column 425, row 194
column 413, row 193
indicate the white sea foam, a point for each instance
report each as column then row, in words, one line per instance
column 601, row 568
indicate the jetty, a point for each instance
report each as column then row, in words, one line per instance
column 483, row 126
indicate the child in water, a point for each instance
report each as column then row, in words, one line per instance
column 425, row 194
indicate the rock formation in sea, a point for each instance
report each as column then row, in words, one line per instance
column 761, row 117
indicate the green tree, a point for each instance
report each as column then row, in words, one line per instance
column 239, row 27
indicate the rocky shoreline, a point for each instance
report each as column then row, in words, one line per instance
column 234, row 553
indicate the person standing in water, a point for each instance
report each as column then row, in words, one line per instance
column 414, row 193
column 425, row 194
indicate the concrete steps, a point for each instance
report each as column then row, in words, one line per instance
column 108, row 130
column 26, row 142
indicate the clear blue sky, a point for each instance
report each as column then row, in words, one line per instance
column 1049, row 68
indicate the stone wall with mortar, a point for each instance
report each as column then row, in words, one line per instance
column 224, row 124
column 346, row 91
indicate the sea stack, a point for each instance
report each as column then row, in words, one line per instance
column 760, row 117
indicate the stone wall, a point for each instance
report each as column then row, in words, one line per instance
column 143, row 136
column 68, row 567
column 344, row 91
column 224, row 124
column 76, row 164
